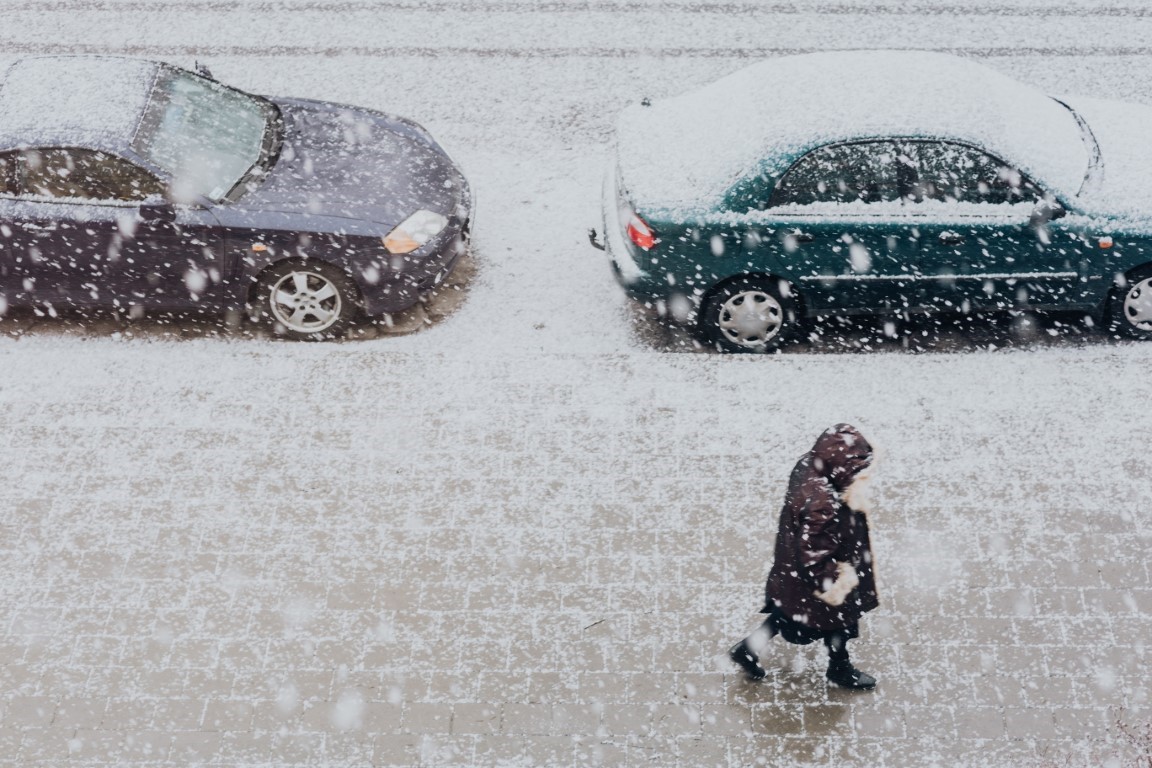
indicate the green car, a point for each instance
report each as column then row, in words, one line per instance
column 879, row 181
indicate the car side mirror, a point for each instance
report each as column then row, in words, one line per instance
column 1046, row 211
column 157, row 210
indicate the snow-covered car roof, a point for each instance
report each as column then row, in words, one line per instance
column 91, row 101
column 692, row 148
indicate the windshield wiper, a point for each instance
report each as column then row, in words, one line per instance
column 270, row 146
column 273, row 139
column 1095, row 159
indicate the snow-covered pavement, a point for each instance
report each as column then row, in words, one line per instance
column 526, row 534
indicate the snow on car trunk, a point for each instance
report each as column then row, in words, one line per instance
column 688, row 150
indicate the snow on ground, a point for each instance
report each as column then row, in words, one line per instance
column 526, row 534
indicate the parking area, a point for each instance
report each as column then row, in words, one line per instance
column 523, row 528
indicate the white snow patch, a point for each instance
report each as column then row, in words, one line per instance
column 78, row 97
column 691, row 149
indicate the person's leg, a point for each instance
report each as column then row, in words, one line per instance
column 837, row 644
column 840, row 669
column 746, row 653
column 757, row 642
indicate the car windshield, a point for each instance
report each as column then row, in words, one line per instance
column 208, row 137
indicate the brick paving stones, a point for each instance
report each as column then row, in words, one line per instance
column 526, row 534
column 188, row 581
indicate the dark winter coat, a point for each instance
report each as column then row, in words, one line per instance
column 817, row 530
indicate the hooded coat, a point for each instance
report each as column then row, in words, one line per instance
column 817, row 530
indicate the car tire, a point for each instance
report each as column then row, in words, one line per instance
column 306, row 300
column 749, row 314
column 1130, row 306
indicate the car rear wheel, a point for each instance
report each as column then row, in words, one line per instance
column 1130, row 306
column 306, row 301
column 750, row 314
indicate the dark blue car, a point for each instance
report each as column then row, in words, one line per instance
column 129, row 183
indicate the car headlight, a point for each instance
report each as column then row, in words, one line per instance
column 415, row 231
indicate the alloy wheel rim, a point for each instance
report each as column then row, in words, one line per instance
column 305, row 302
column 1138, row 305
column 751, row 318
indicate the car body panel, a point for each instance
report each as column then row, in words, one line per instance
column 79, row 254
column 621, row 253
column 877, row 262
column 343, row 179
column 342, row 162
column 898, row 256
column 336, row 201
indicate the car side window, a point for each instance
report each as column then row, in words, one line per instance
column 83, row 174
column 952, row 173
column 8, row 173
column 841, row 173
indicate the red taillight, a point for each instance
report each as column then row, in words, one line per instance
column 641, row 233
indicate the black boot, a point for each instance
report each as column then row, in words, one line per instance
column 847, row 676
column 746, row 660
column 840, row 669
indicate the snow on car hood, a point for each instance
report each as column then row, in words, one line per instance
column 1124, row 133
column 689, row 150
column 351, row 163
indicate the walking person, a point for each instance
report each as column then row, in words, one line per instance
column 821, row 581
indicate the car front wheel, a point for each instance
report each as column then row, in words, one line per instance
column 306, row 300
column 1130, row 307
column 750, row 314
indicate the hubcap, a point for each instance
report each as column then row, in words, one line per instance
column 751, row 318
column 1138, row 305
column 305, row 302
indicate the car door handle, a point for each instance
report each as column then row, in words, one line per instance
column 951, row 238
column 802, row 237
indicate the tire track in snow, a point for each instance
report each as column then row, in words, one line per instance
column 433, row 32
column 436, row 52
column 464, row 6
